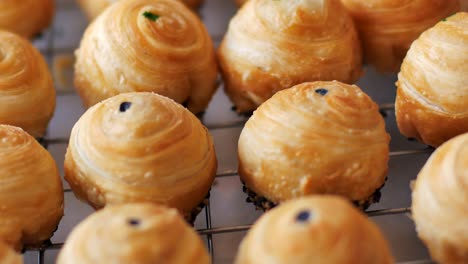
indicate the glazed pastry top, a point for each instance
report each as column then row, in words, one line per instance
column 320, row 137
column 27, row 94
column 134, row 233
column 434, row 70
column 441, row 192
column 143, row 146
column 280, row 28
column 316, row 229
column 31, row 192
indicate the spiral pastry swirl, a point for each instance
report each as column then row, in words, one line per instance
column 432, row 97
column 388, row 27
column 31, row 194
column 27, row 94
column 133, row 233
column 147, row 46
column 315, row 138
column 26, row 17
column 439, row 202
column 140, row 147
column 274, row 45
column 316, row 229
column 93, row 8
column 8, row 255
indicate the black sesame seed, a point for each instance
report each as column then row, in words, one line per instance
column 321, row 91
column 303, row 216
column 125, row 106
column 134, row 222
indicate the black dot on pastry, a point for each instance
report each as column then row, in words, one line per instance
column 303, row 216
column 321, row 91
column 125, row 106
column 133, row 222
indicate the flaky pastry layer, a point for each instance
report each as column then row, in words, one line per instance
column 147, row 46
column 274, row 45
column 140, row 147
column 26, row 17
column 31, row 193
column 388, row 27
column 315, row 229
column 27, row 93
column 315, row 138
column 134, row 233
column 432, row 97
column 440, row 200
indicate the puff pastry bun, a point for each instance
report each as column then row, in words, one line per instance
column 8, row 255
column 274, row 45
column 26, row 17
column 439, row 202
column 145, row 45
column 432, row 96
column 141, row 147
column 388, row 27
column 31, row 193
column 93, row 8
column 315, row 229
column 315, row 138
column 133, row 233
column 27, row 94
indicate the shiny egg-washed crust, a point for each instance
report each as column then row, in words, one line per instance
column 440, row 200
column 92, row 8
column 388, row 27
column 27, row 94
column 8, row 255
column 134, row 233
column 125, row 51
column 300, row 142
column 155, row 151
column 335, row 232
column 274, row 45
column 432, row 96
column 26, row 17
column 31, row 193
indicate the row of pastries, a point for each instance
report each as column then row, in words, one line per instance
column 162, row 154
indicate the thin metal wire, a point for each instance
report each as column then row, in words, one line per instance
column 209, row 237
column 40, row 256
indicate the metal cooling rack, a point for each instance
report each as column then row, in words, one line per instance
column 391, row 214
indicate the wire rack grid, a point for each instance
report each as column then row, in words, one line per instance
column 410, row 154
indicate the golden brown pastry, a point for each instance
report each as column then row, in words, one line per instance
column 432, row 96
column 141, row 147
column 26, row 17
column 8, row 255
column 440, row 202
column 31, row 194
column 464, row 5
column 315, row 138
column 146, row 45
column 388, row 27
column 134, row 233
column 27, row 94
column 93, row 8
column 315, row 229
column 240, row 2
column 274, row 45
